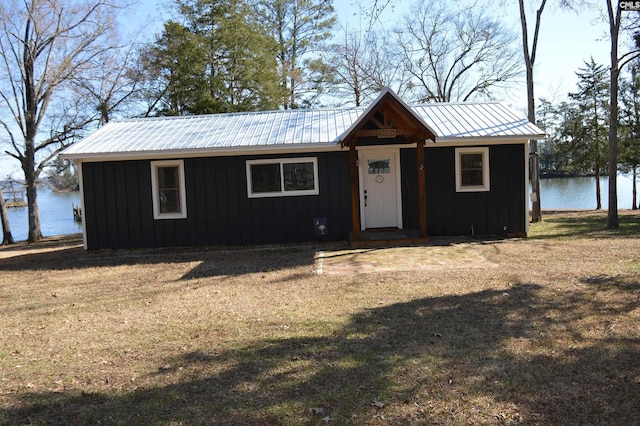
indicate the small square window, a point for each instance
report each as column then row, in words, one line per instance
column 167, row 182
column 298, row 176
column 282, row 177
column 265, row 178
column 472, row 169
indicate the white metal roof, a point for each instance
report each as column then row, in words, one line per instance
column 289, row 129
column 477, row 120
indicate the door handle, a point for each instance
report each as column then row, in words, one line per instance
column 365, row 198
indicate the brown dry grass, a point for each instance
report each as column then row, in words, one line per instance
column 538, row 331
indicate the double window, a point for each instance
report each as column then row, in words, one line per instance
column 472, row 169
column 282, row 177
column 167, row 182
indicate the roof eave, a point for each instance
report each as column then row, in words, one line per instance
column 487, row 139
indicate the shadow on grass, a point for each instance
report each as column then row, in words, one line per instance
column 218, row 261
column 586, row 224
column 212, row 261
column 486, row 357
column 608, row 282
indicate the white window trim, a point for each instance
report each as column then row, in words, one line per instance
column 154, row 189
column 485, row 169
column 282, row 192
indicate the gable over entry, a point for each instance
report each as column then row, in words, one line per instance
column 388, row 121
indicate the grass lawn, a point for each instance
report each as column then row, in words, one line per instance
column 544, row 330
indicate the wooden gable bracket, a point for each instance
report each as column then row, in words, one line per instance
column 385, row 125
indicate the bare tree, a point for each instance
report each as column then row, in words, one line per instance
column 372, row 10
column 44, row 45
column 362, row 64
column 113, row 83
column 530, row 51
column 384, row 66
column 456, row 54
column 346, row 58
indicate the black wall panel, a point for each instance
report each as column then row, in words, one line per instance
column 119, row 210
column 466, row 213
column 119, row 213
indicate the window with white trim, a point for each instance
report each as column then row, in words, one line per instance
column 167, row 183
column 282, row 177
column 472, row 169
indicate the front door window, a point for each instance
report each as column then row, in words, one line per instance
column 377, row 167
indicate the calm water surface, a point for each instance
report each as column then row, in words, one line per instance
column 580, row 192
column 56, row 209
column 56, row 215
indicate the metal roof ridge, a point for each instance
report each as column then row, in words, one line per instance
column 457, row 103
column 236, row 113
column 292, row 111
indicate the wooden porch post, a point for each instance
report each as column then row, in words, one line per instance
column 355, row 193
column 422, row 193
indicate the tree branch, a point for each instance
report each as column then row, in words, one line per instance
column 536, row 32
column 18, row 155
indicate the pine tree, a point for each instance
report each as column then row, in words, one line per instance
column 220, row 60
column 586, row 122
column 629, row 129
column 299, row 27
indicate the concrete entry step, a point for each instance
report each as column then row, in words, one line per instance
column 381, row 237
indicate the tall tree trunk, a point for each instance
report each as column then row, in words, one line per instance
column 7, row 238
column 598, row 193
column 613, row 221
column 634, row 189
column 536, row 209
column 31, row 179
column 30, row 131
column 529, row 60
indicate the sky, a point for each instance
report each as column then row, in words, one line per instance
column 567, row 40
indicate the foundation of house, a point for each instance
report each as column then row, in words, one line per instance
column 388, row 237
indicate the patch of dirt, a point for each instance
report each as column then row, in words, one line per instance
column 353, row 261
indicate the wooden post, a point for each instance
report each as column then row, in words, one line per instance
column 422, row 193
column 355, row 193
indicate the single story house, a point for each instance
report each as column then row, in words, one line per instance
column 304, row 175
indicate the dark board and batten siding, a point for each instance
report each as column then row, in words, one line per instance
column 118, row 208
column 465, row 213
column 119, row 213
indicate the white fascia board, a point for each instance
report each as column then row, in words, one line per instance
column 472, row 141
column 204, row 152
column 450, row 142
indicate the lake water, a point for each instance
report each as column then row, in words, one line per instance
column 580, row 192
column 56, row 209
column 56, row 215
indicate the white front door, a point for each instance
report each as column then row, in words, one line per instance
column 380, row 199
